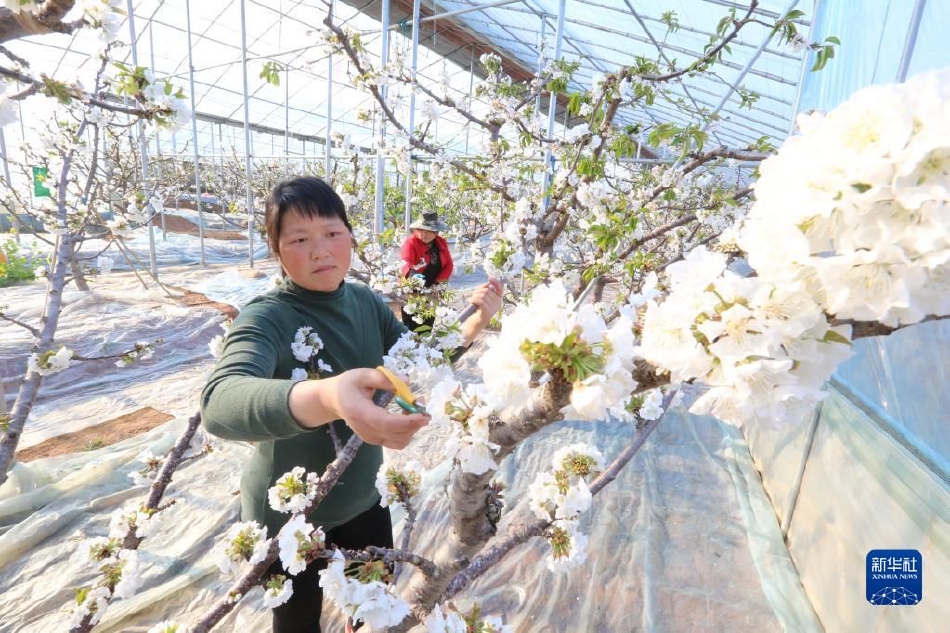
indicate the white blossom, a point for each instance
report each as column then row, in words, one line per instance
column 296, row 540
column 391, row 475
column 293, row 491
column 94, row 603
column 49, row 363
column 372, row 602
column 277, row 593
column 104, row 263
column 243, row 541
column 131, row 578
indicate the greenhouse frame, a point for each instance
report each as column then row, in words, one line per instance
column 496, row 115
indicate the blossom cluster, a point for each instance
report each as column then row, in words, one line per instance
column 763, row 350
column 293, row 491
column 216, row 344
column 151, row 465
column 546, row 334
column 104, row 264
column 855, row 208
column 392, row 479
column 120, row 578
column 49, row 362
column 467, row 411
column 450, row 621
column 364, row 597
column 424, row 364
column 851, row 223
column 306, row 345
column 105, row 15
column 245, row 541
column 135, row 520
column 142, row 350
column 297, row 540
column 562, row 494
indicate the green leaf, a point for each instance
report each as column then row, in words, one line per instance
column 833, row 337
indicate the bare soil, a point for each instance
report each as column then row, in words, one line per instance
column 178, row 224
column 93, row 437
column 190, row 298
column 125, row 426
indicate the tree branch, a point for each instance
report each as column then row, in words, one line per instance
column 391, row 117
column 709, row 56
column 35, row 86
column 252, row 576
column 522, row 533
column 867, row 329
column 34, row 331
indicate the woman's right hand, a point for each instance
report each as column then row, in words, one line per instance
column 349, row 396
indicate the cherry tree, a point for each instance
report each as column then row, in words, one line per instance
column 90, row 115
column 628, row 287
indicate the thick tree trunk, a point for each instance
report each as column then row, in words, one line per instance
column 470, row 497
column 14, row 26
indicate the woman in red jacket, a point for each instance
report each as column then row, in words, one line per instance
column 425, row 253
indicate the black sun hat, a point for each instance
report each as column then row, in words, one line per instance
column 429, row 222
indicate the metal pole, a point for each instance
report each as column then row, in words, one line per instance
column 379, row 210
column 287, row 110
column 221, row 146
column 19, row 105
column 471, row 88
column 541, row 36
column 6, row 175
column 158, row 144
column 247, row 144
column 412, row 107
column 484, row 5
column 143, row 150
column 911, row 41
column 194, row 138
column 327, row 143
column 552, row 103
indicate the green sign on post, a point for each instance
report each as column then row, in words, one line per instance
column 40, row 189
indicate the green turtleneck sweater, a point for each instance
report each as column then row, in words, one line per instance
column 246, row 397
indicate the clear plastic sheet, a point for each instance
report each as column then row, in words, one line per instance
column 684, row 539
column 109, row 319
column 904, row 378
column 869, row 471
column 172, row 249
column 862, row 491
column 873, row 36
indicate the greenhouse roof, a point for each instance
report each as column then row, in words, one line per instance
column 601, row 35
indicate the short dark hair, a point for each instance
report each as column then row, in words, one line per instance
column 309, row 196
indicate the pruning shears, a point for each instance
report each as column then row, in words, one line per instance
column 404, row 396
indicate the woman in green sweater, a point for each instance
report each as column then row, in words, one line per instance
column 251, row 396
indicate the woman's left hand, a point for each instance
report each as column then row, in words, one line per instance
column 487, row 298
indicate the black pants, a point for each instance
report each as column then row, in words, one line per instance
column 409, row 321
column 301, row 614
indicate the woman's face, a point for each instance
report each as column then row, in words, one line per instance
column 314, row 251
column 425, row 235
